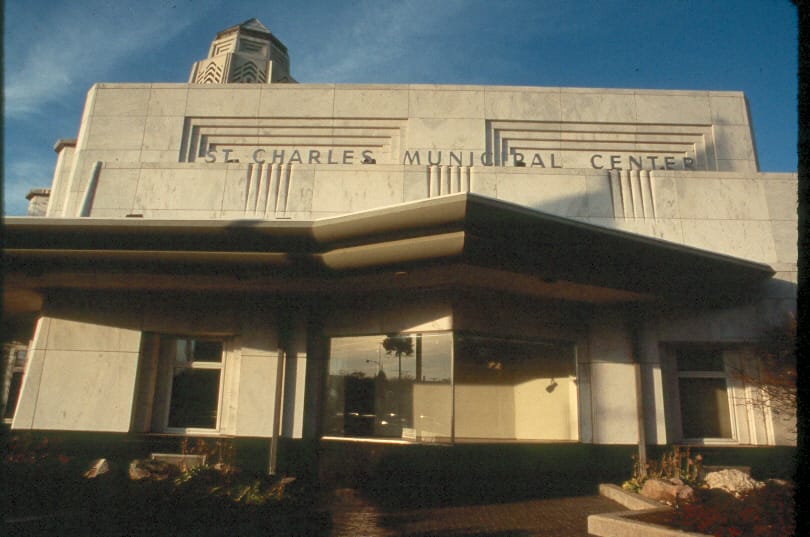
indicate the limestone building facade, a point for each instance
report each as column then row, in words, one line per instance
column 243, row 256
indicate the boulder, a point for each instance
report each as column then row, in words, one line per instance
column 151, row 469
column 665, row 491
column 685, row 493
column 733, row 481
column 706, row 469
column 99, row 467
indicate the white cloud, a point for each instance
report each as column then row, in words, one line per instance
column 434, row 41
column 78, row 43
column 379, row 37
column 20, row 177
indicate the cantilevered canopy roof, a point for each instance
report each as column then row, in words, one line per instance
column 478, row 237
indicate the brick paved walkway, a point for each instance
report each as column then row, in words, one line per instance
column 353, row 516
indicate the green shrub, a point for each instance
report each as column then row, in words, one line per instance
column 676, row 463
column 41, row 479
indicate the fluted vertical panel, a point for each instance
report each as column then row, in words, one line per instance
column 274, row 179
column 455, row 179
column 90, row 191
column 647, row 193
column 616, row 192
column 632, row 193
column 465, row 179
column 627, row 195
column 254, row 172
column 434, row 181
column 445, row 180
column 635, row 192
column 283, row 189
column 263, row 190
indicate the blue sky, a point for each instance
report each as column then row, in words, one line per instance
column 55, row 50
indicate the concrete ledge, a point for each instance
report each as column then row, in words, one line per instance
column 623, row 523
column 179, row 459
column 634, row 502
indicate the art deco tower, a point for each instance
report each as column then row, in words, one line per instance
column 248, row 53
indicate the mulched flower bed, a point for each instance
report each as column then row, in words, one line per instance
column 765, row 512
column 46, row 493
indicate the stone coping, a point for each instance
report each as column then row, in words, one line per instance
column 413, row 87
column 623, row 523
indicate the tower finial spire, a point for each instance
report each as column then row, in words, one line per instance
column 247, row 53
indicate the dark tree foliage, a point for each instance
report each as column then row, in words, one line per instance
column 399, row 346
column 776, row 375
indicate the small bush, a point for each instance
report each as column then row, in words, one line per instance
column 40, row 479
column 230, row 486
column 677, row 463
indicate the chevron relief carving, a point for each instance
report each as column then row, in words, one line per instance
column 226, row 45
column 248, row 72
column 211, row 75
column 690, row 146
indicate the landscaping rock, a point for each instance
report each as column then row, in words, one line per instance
column 706, row 469
column 666, row 491
column 733, row 481
column 226, row 469
column 685, row 493
column 99, row 467
column 150, row 469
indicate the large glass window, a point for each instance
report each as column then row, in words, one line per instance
column 401, row 386
column 390, row 386
column 509, row 389
column 703, row 393
column 195, row 366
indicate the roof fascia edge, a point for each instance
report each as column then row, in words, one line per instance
column 477, row 202
column 433, row 214
column 456, row 210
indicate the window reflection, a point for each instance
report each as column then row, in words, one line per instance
column 515, row 390
column 703, row 393
column 405, row 386
column 390, row 386
column 194, row 370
